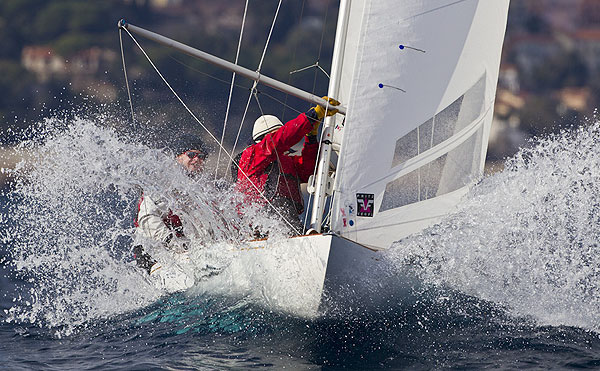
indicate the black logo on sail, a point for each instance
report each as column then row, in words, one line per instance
column 364, row 204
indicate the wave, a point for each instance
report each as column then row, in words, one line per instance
column 69, row 222
column 525, row 238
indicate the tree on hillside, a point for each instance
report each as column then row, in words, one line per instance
column 564, row 70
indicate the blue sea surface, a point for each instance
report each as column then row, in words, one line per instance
column 180, row 332
column 509, row 281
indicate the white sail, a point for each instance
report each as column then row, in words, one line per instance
column 419, row 80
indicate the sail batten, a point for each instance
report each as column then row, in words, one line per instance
column 419, row 80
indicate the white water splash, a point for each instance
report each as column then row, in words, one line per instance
column 526, row 238
column 70, row 223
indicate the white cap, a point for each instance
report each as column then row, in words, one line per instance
column 264, row 125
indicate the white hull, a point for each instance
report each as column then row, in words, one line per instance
column 303, row 276
column 307, row 275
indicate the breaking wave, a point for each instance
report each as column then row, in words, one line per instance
column 525, row 238
column 69, row 223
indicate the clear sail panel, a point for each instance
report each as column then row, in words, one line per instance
column 447, row 173
column 424, row 183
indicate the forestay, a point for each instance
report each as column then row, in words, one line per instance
column 419, row 80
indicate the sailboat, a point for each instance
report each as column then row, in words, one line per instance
column 417, row 81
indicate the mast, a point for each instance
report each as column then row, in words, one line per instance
column 252, row 75
column 322, row 176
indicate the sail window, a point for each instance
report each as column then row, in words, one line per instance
column 406, row 147
column 447, row 173
column 443, row 125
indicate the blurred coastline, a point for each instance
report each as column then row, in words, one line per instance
column 549, row 75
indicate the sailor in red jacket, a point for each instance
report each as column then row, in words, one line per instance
column 276, row 174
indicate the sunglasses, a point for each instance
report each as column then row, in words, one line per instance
column 192, row 155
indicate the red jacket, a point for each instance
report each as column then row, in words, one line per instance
column 275, row 174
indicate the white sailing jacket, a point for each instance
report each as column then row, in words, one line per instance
column 156, row 221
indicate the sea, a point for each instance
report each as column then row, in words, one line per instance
column 510, row 280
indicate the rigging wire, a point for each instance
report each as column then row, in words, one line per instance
column 321, row 44
column 310, row 195
column 253, row 92
column 255, row 82
column 237, row 137
column 237, row 54
column 293, row 56
column 207, row 74
column 125, row 72
column 261, row 92
column 281, row 102
column 279, row 165
column 329, row 213
column 316, row 64
column 209, row 132
column 262, row 58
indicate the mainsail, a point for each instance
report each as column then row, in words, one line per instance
column 419, row 81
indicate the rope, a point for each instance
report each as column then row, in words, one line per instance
column 256, row 82
column 293, row 57
column 279, row 165
column 310, row 196
column 321, row 44
column 237, row 54
column 125, row 72
column 209, row 133
column 262, row 58
column 237, row 137
column 327, row 218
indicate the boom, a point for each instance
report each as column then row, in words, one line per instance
column 252, row 75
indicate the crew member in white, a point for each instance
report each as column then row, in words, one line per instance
column 155, row 221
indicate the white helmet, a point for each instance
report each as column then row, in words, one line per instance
column 264, row 125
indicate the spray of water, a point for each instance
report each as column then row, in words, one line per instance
column 69, row 223
column 526, row 238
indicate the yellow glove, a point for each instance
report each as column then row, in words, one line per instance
column 320, row 113
column 330, row 112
